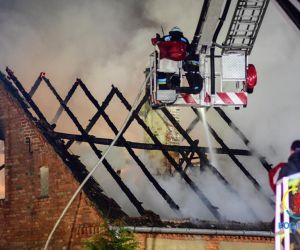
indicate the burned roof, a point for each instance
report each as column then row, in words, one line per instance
column 61, row 142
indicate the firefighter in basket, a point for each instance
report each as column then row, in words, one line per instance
column 173, row 57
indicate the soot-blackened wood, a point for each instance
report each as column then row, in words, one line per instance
column 189, row 181
column 137, row 204
column 161, row 191
column 231, row 124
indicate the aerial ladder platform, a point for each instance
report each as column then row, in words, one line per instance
column 227, row 78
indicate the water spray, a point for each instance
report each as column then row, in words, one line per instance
column 208, row 140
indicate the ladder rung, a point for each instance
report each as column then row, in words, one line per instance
column 243, row 30
column 246, row 46
column 239, row 36
column 244, row 21
column 252, row 7
column 240, row 33
column 249, row 16
column 251, row 1
column 241, row 47
column 236, row 45
column 237, row 48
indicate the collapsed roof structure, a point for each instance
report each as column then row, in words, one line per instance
column 107, row 205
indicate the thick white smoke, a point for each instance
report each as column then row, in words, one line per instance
column 108, row 42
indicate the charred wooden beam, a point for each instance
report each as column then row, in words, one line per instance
column 192, row 124
column 187, row 159
column 238, row 163
column 180, row 129
column 98, row 114
column 139, row 145
column 145, row 146
column 26, row 96
column 35, row 85
column 137, row 204
column 291, row 10
column 188, row 180
column 230, row 123
column 67, row 99
column 96, row 117
column 144, row 169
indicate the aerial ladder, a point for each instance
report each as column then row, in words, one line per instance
column 227, row 78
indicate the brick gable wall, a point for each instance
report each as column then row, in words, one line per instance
column 26, row 218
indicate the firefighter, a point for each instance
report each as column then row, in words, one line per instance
column 190, row 62
column 195, row 80
column 175, row 46
column 172, row 49
column 277, row 173
column 175, row 34
column 290, row 168
column 293, row 164
column 286, row 168
column 273, row 175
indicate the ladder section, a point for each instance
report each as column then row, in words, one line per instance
column 245, row 24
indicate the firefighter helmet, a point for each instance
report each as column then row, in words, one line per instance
column 176, row 29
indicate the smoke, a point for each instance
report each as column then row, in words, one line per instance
column 97, row 41
column 271, row 118
column 248, row 206
column 102, row 42
column 107, row 42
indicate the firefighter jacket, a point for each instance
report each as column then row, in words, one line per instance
column 173, row 46
column 291, row 167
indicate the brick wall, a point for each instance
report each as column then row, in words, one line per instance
column 26, row 217
column 151, row 241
